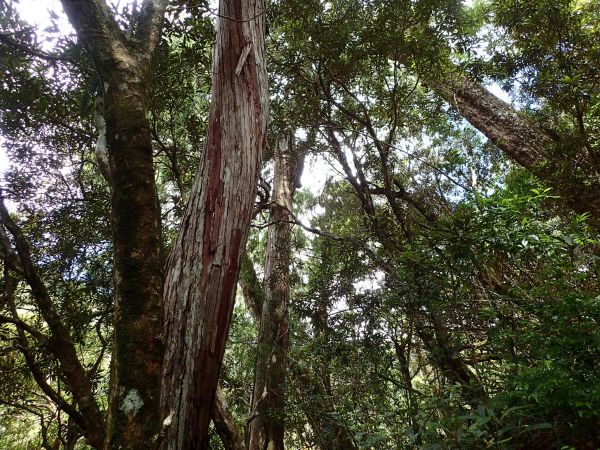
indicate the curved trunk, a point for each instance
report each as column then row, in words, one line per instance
column 225, row 424
column 204, row 265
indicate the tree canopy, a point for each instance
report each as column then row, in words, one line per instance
column 422, row 265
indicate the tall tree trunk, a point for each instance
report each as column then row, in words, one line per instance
column 268, row 401
column 124, row 66
column 204, row 265
column 402, row 349
column 521, row 140
column 137, row 354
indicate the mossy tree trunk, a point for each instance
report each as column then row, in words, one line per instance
column 524, row 142
column 124, row 66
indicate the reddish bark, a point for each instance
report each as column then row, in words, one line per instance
column 204, row 265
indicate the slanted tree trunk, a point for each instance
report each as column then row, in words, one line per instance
column 522, row 141
column 225, row 424
column 403, row 355
column 447, row 359
column 204, row 264
column 268, row 401
column 124, row 66
column 252, row 289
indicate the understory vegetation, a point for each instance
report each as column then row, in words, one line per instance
column 422, row 266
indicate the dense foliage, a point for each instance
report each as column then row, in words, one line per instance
column 441, row 295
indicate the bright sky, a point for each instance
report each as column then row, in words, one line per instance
column 37, row 12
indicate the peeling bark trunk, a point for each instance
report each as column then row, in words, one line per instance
column 522, row 141
column 204, row 265
column 124, row 65
column 268, row 401
column 225, row 424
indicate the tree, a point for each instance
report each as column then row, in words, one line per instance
column 124, row 66
column 204, row 264
column 426, row 291
column 269, row 399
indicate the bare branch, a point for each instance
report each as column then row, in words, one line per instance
column 8, row 40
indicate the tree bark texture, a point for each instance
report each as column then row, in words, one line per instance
column 522, row 141
column 203, row 268
column 124, row 66
column 266, row 428
column 252, row 289
column 225, row 424
column 137, row 353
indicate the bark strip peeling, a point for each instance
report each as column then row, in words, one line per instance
column 204, row 265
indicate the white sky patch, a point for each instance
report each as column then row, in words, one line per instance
column 499, row 92
column 370, row 283
column 39, row 13
column 315, row 173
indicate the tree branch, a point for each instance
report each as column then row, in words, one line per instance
column 97, row 30
column 8, row 40
column 150, row 25
column 59, row 341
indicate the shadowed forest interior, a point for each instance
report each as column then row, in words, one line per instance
column 301, row 224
